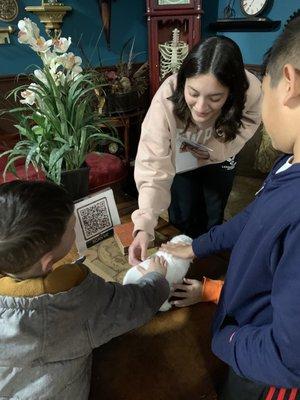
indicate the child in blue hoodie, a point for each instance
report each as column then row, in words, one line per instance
column 256, row 329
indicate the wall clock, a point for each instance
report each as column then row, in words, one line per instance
column 252, row 8
column 253, row 21
column 8, row 10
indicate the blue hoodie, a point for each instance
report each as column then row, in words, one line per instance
column 257, row 324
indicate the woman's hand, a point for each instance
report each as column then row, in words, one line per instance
column 138, row 248
column 190, row 293
column 198, row 153
column 157, row 264
column 181, row 250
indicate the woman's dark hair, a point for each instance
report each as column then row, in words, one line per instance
column 34, row 217
column 221, row 57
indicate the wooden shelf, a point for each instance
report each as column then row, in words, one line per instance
column 242, row 24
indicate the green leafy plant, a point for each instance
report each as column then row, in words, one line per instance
column 125, row 78
column 56, row 122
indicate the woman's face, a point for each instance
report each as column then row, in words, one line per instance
column 205, row 97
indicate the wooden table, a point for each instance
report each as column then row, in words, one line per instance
column 124, row 121
column 165, row 230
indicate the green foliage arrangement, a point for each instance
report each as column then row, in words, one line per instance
column 56, row 122
column 124, row 78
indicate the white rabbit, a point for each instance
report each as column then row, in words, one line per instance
column 177, row 268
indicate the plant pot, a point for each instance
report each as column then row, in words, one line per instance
column 76, row 182
column 118, row 103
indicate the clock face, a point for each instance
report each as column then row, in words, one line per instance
column 8, row 10
column 113, row 147
column 253, row 7
column 172, row 2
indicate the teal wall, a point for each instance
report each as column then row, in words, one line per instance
column 83, row 22
column 255, row 44
column 128, row 20
column 210, row 8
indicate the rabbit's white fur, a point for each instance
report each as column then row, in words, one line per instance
column 177, row 268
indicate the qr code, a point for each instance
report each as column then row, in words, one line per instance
column 94, row 218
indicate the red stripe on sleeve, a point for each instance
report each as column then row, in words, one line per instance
column 293, row 394
column 271, row 393
column 281, row 394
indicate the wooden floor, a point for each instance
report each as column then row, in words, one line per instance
column 125, row 203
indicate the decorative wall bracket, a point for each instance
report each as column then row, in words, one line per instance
column 4, row 34
column 51, row 15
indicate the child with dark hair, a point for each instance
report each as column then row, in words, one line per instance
column 51, row 319
column 256, row 328
column 214, row 102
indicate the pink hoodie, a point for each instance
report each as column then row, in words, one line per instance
column 155, row 164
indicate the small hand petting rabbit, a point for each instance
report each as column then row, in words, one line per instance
column 177, row 268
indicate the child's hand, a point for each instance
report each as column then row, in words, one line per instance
column 181, row 250
column 157, row 264
column 191, row 293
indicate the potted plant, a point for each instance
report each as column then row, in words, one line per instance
column 56, row 122
column 123, row 86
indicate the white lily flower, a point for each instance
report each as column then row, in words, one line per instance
column 33, row 86
column 23, row 37
column 60, row 78
column 30, row 27
column 61, row 45
column 48, row 57
column 41, row 45
column 28, row 97
column 78, row 60
column 70, row 61
column 62, row 66
column 76, row 70
column 28, row 30
column 40, row 76
column 56, row 62
column 21, row 25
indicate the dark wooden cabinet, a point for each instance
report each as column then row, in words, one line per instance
column 163, row 17
column 9, row 134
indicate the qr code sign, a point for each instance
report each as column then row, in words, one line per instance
column 94, row 218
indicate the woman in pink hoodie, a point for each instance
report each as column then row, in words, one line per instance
column 197, row 123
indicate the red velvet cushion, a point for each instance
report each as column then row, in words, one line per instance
column 106, row 169
column 3, row 160
column 31, row 175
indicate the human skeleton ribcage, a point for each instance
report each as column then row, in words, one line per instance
column 172, row 54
